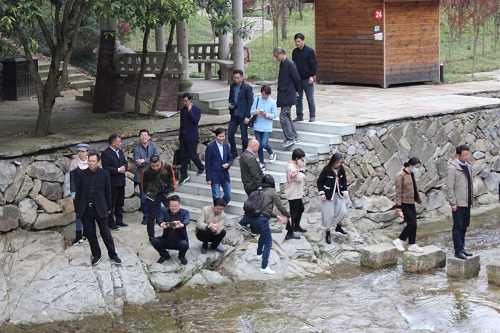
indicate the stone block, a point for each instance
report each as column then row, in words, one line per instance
column 378, row 256
column 432, row 257
column 494, row 273
column 463, row 268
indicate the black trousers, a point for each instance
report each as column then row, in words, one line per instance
column 89, row 219
column 206, row 236
column 187, row 151
column 117, row 201
column 410, row 230
column 296, row 210
column 161, row 245
column 153, row 211
column 461, row 221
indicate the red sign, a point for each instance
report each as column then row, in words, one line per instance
column 379, row 14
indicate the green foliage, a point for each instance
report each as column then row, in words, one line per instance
column 6, row 50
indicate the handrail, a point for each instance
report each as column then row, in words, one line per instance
column 130, row 63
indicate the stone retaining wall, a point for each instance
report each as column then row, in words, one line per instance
column 34, row 190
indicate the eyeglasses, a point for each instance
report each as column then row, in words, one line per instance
column 465, row 155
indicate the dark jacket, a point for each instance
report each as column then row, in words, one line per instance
column 189, row 123
column 140, row 153
column 326, row 182
column 271, row 199
column 288, row 84
column 213, row 162
column 251, row 173
column 102, row 194
column 152, row 179
column 183, row 218
column 245, row 99
column 305, row 60
column 112, row 163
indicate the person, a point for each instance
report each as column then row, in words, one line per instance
column 264, row 107
column 210, row 226
column 142, row 153
column 80, row 161
column 93, row 202
column 114, row 161
column 189, row 136
column 294, row 190
column 332, row 186
column 406, row 196
column 173, row 221
column 218, row 160
column 460, row 195
column 304, row 58
column 261, row 223
column 240, row 101
column 288, row 90
column 251, row 175
column 158, row 184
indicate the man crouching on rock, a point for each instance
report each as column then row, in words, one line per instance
column 174, row 220
column 93, row 203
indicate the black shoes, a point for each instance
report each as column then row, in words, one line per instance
column 460, row 255
column 200, row 172
column 468, row 254
column 114, row 227
column 121, row 224
column 144, row 221
column 95, row 260
column 299, row 229
column 183, row 260
column 204, row 250
column 340, row 229
column 163, row 258
column 298, row 118
column 78, row 239
column 183, row 180
column 328, row 237
column 292, row 236
column 151, row 239
column 116, row 260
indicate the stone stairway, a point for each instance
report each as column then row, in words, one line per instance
column 316, row 139
column 216, row 101
column 75, row 80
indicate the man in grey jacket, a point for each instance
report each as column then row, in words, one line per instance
column 459, row 193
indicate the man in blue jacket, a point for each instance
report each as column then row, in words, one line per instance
column 174, row 220
column 218, row 160
column 189, row 136
column 240, row 102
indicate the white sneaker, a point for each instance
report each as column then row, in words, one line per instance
column 272, row 158
column 398, row 243
column 259, row 256
column 267, row 270
column 415, row 248
column 263, row 166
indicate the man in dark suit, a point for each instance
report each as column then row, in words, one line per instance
column 218, row 160
column 174, row 220
column 114, row 161
column 92, row 204
column 240, row 102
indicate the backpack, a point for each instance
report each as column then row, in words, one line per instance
column 254, row 205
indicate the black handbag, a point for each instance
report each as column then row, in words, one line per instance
column 254, row 117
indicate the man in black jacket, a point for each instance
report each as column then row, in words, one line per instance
column 304, row 58
column 92, row 204
column 113, row 160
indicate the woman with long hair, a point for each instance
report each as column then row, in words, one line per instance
column 406, row 196
column 295, row 182
column 332, row 186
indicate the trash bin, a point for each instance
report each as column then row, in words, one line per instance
column 17, row 82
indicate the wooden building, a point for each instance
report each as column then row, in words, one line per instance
column 376, row 41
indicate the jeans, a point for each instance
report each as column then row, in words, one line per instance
column 155, row 207
column 206, row 236
column 187, row 151
column 79, row 224
column 309, row 90
column 226, row 187
column 117, row 202
column 162, row 244
column 410, row 231
column 296, row 210
column 287, row 124
column 234, row 122
column 263, row 138
column 261, row 224
column 89, row 218
column 461, row 220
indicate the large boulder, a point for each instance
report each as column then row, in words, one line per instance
column 10, row 216
column 131, row 205
column 207, row 278
column 25, row 189
column 7, row 174
column 47, row 205
column 14, row 188
column 45, row 170
column 29, row 212
column 375, row 204
column 435, row 199
column 52, row 191
column 37, row 185
column 45, row 221
column 129, row 188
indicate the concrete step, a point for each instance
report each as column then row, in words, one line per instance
column 218, row 94
column 195, row 201
column 213, row 103
column 205, row 190
column 216, row 111
column 321, row 127
column 194, row 214
column 81, row 85
column 307, row 136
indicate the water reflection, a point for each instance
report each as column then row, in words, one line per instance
column 350, row 299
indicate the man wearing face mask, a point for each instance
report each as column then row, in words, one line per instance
column 460, row 195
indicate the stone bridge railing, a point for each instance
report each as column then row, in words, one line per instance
column 130, row 63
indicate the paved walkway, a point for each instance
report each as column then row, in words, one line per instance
column 73, row 122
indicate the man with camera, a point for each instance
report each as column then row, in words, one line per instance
column 174, row 220
column 240, row 102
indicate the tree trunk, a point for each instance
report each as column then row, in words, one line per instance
column 163, row 69
column 142, row 71
column 284, row 18
column 104, row 72
column 44, row 115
